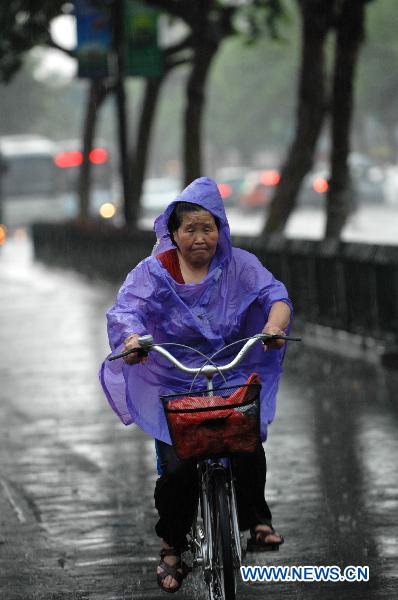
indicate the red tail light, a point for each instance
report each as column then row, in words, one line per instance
column 65, row 160
column 98, row 156
column 270, row 177
column 225, row 190
column 320, row 185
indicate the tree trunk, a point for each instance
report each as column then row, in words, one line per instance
column 316, row 21
column 350, row 31
column 192, row 149
column 96, row 95
column 139, row 156
column 139, row 160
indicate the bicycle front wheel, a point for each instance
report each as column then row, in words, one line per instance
column 224, row 581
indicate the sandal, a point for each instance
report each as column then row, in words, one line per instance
column 171, row 570
column 257, row 542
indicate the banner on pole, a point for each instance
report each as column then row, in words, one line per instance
column 143, row 56
column 94, row 40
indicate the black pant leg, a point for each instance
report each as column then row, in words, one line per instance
column 250, row 471
column 176, row 496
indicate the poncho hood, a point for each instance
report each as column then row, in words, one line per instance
column 205, row 193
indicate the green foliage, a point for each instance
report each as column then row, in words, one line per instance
column 377, row 82
column 250, row 99
column 251, row 96
column 378, row 75
column 21, row 102
column 28, row 105
column 168, row 126
column 23, row 25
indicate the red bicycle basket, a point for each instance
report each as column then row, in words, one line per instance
column 203, row 426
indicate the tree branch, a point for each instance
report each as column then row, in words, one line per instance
column 176, row 63
column 52, row 44
column 183, row 45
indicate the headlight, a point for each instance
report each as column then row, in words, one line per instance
column 107, row 210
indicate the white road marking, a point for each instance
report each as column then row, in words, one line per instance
column 17, row 509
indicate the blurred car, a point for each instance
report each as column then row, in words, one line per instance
column 230, row 181
column 368, row 183
column 69, row 158
column 257, row 188
column 391, row 185
column 29, row 181
column 368, row 179
column 314, row 187
column 157, row 194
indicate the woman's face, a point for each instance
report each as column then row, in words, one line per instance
column 197, row 238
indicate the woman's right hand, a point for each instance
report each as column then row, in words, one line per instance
column 133, row 358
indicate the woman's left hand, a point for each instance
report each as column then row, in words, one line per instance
column 271, row 329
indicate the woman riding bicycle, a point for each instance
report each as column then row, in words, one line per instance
column 195, row 289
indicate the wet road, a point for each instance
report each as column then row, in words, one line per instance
column 76, row 507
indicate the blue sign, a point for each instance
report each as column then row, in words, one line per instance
column 94, row 40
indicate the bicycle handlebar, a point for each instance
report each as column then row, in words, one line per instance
column 147, row 344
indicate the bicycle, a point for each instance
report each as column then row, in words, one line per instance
column 215, row 538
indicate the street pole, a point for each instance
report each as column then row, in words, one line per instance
column 118, row 43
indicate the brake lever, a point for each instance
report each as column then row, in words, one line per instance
column 271, row 337
column 140, row 351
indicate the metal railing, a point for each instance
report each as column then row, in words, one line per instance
column 346, row 286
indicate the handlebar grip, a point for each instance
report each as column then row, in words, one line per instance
column 139, row 351
column 270, row 338
column 291, row 339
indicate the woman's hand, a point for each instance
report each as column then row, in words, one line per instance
column 271, row 329
column 278, row 320
column 133, row 358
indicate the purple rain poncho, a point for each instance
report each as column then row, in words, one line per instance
column 231, row 303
